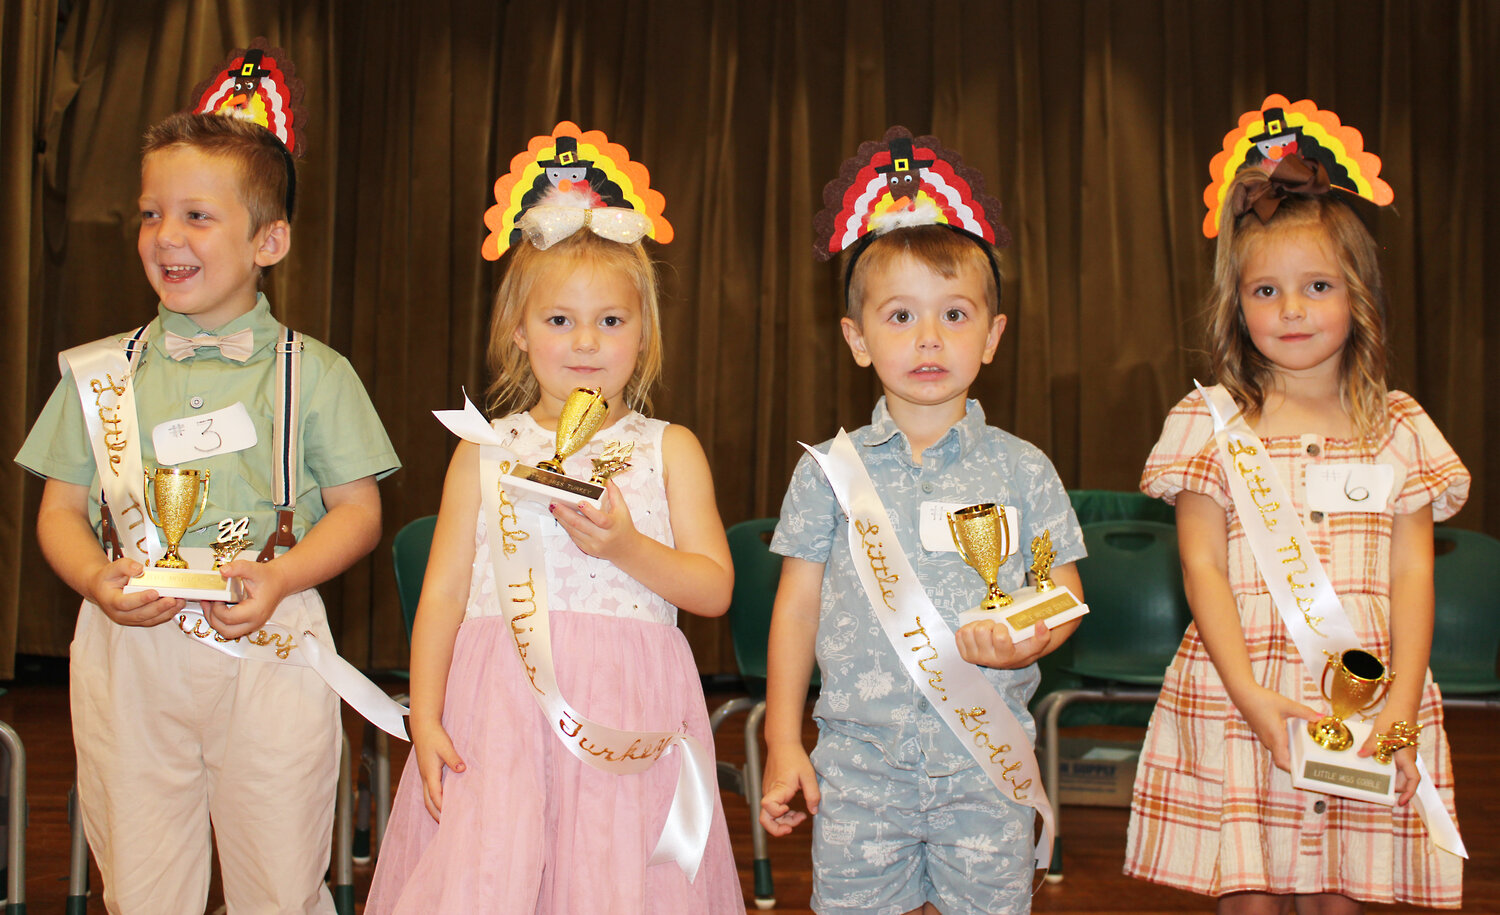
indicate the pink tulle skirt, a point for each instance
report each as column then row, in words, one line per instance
column 527, row 827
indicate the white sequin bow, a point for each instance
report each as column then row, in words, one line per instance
column 545, row 226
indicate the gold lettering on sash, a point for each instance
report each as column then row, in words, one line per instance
column 517, row 631
column 1255, row 482
column 638, row 748
column 936, row 680
column 875, row 555
column 261, row 638
column 283, row 643
column 1304, row 604
column 109, row 414
column 510, row 525
column 974, row 722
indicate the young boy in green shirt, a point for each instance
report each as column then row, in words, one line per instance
column 173, row 737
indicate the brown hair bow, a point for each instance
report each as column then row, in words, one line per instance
column 1292, row 175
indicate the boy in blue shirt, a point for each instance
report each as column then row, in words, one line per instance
column 908, row 817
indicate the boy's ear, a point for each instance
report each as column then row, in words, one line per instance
column 856, row 340
column 997, row 330
column 272, row 243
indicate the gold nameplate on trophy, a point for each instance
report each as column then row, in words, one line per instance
column 175, row 501
column 1046, row 601
column 1325, row 754
column 582, row 414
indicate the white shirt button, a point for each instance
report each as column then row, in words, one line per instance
column 195, row 402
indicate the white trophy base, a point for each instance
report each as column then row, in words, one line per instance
column 200, row 581
column 1340, row 772
column 1028, row 606
column 532, row 484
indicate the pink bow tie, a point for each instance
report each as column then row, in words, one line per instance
column 237, row 346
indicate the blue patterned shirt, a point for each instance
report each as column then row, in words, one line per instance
column 866, row 692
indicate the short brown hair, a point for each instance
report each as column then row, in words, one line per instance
column 1237, row 364
column 945, row 251
column 264, row 164
column 515, row 387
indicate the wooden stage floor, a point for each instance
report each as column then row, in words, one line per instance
column 37, row 707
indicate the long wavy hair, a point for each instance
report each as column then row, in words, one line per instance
column 514, row 387
column 1238, row 365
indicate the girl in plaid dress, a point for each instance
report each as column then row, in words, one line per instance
column 1298, row 338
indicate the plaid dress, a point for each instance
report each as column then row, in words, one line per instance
column 1211, row 813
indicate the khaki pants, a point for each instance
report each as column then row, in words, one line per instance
column 172, row 735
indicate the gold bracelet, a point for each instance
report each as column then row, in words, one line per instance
column 1402, row 734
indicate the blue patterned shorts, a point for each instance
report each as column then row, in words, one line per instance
column 886, row 840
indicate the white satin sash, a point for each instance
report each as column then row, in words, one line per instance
column 278, row 644
column 966, row 702
column 103, row 378
column 1299, row 586
column 521, row 586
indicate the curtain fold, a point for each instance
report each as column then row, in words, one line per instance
column 1092, row 121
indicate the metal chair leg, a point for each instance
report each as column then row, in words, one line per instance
column 343, row 834
column 15, row 860
column 765, row 890
column 78, row 859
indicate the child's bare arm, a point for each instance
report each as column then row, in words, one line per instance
column 440, row 611
column 72, row 549
column 1203, row 542
column 1412, row 608
column 789, row 667
column 696, row 575
column 349, row 530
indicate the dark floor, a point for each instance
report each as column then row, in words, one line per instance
column 36, row 706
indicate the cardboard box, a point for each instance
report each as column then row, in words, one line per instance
column 1096, row 773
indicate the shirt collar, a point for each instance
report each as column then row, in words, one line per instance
column 258, row 319
column 883, row 428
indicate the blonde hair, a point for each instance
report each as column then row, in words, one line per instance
column 262, row 162
column 1237, row 364
column 514, row 387
column 947, row 252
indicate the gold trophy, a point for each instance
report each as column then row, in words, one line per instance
column 1353, row 682
column 982, row 536
column 582, row 414
column 1045, row 601
column 179, row 498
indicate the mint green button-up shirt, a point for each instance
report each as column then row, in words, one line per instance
column 341, row 438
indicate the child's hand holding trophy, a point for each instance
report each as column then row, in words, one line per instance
column 982, row 535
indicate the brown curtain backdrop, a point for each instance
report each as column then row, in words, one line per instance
column 1092, row 120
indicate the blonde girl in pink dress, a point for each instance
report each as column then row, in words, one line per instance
column 1298, row 339
column 493, row 813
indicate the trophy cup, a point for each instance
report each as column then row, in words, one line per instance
column 582, row 414
column 1045, row 601
column 1322, row 752
column 180, row 498
column 983, row 539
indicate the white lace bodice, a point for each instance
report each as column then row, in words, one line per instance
column 577, row 582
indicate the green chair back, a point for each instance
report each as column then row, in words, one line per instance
column 757, row 573
column 409, row 549
column 1466, row 624
column 1091, row 505
column 1132, row 582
